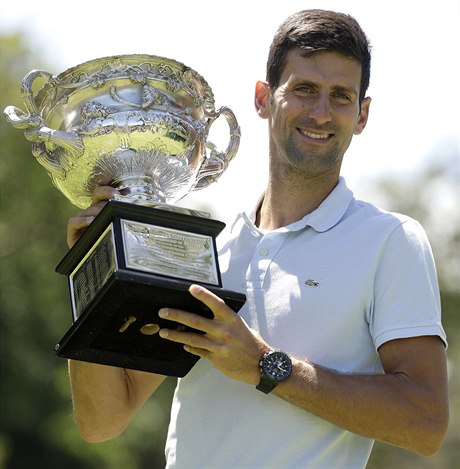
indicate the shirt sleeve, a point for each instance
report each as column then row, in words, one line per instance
column 406, row 292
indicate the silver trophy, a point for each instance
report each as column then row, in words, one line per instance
column 139, row 123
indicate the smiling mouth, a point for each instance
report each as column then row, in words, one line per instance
column 314, row 135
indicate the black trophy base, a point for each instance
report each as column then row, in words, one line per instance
column 115, row 302
column 120, row 328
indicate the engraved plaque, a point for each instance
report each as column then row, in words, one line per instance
column 92, row 273
column 170, row 252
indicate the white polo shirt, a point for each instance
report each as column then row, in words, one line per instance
column 331, row 287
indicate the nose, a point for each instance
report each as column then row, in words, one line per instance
column 320, row 110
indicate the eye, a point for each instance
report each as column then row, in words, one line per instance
column 342, row 96
column 304, row 89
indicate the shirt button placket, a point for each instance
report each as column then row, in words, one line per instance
column 264, row 252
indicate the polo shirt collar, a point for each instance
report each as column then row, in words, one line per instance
column 325, row 217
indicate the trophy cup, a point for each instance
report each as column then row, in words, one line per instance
column 139, row 123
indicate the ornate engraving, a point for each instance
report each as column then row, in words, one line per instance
column 137, row 122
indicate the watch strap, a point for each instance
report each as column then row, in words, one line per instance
column 266, row 385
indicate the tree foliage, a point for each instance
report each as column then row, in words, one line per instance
column 37, row 428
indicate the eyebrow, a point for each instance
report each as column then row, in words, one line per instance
column 346, row 89
column 315, row 85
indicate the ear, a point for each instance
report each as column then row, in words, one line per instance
column 363, row 116
column 260, row 99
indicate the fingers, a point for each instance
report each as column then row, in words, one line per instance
column 217, row 331
column 79, row 223
column 222, row 312
column 198, row 344
column 213, row 302
column 185, row 318
column 75, row 228
column 103, row 193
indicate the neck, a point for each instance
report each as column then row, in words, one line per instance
column 286, row 202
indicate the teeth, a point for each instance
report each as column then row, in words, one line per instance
column 315, row 136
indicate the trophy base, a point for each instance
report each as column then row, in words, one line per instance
column 110, row 331
column 131, row 262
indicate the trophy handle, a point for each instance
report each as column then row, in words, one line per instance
column 217, row 162
column 52, row 148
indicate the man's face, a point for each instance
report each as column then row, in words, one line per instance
column 314, row 112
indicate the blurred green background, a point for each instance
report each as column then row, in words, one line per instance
column 37, row 428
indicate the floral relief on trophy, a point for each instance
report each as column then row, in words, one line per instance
column 94, row 112
column 175, row 80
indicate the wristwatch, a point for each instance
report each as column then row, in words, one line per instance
column 275, row 367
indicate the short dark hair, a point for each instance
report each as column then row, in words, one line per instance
column 320, row 30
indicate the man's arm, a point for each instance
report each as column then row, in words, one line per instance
column 106, row 398
column 407, row 406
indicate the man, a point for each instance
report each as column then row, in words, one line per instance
column 340, row 341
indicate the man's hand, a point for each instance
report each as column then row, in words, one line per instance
column 77, row 225
column 227, row 341
column 407, row 406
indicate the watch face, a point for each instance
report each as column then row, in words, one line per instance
column 277, row 366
